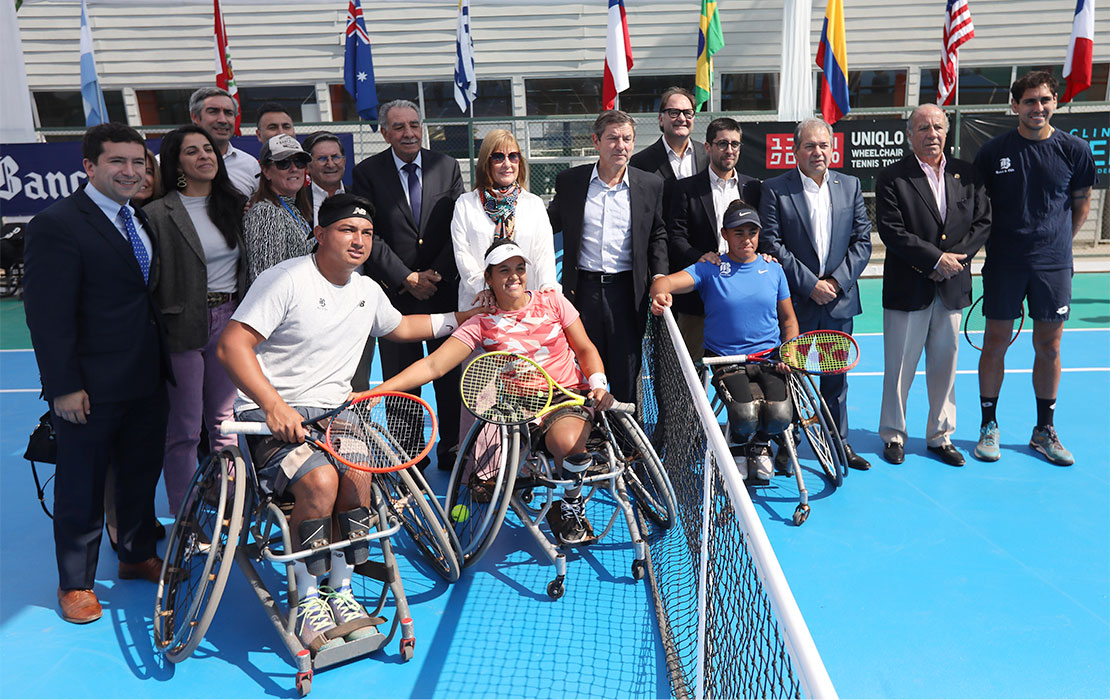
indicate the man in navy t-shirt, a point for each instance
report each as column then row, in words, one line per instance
column 1039, row 181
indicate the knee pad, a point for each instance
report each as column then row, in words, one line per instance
column 316, row 534
column 743, row 419
column 355, row 523
column 777, row 416
column 577, row 462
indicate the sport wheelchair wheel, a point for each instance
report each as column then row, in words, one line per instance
column 481, row 485
column 644, row 473
column 415, row 505
column 813, row 416
column 199, row 554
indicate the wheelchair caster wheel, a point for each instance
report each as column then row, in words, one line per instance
column 638, row 569
column 304, row 683
column 800, row 514
column 555, row 590
column 408, row 648
column 526, row 495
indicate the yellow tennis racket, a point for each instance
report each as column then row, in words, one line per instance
column 509, row 389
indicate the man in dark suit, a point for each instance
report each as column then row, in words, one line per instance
column 698, row 204
column 933, row 215
column 816, row 224
column 675, row 155
column 413, row 191
column 100, row 348
column 614, row 245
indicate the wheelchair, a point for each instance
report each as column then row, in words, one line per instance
column 500, row 467
column 811, row 417
column 226, row 517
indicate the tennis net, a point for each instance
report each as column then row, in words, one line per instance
column 729, row 624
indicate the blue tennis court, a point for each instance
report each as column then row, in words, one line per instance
column 920, row 580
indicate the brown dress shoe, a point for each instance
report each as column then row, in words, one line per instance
column 79, row 605
column 149, row 570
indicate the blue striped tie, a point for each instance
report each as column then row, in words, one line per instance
column 136, row 243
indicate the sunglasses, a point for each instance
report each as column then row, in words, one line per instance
column 287, row 163
column 499, row 158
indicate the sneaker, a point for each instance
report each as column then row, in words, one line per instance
column 345, row 609
column 759, row 462
column 314, row 620
column 572, row 521
column 1044, row 440
column 987, row 448
column 740, row 457
column 782, row 461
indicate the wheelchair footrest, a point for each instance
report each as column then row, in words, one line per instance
column 376, row 570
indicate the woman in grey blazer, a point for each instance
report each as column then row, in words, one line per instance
column 202, row 275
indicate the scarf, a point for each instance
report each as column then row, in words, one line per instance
column 500, row 207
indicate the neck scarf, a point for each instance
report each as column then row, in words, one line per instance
column 500, row 207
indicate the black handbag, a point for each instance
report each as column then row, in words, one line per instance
column 42, row 446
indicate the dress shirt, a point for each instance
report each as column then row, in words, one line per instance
column 242, row 169
column 725, row 192
column 936, row 184
column 405, row 176
column 820, row 216
column 606, row 227
column 682, row 165
column 319, row 194
column 111, row 208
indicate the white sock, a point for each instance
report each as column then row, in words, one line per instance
column 341, row 572
column 306, row 582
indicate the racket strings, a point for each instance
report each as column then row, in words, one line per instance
column 821, row 352
column 505, row 388
column 381, row 433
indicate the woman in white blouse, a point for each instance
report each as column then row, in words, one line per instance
column 500, row 207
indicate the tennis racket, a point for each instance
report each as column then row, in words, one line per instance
column 975, row 317
column 814, row 352
column 509, row 389
column 377, row 431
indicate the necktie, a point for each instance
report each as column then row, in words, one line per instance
column 414, row 192
column 136, row 243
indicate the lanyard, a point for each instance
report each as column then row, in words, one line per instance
column 307, row 231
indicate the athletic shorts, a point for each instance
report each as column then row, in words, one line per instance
column 281, row 464
column 1047, row 293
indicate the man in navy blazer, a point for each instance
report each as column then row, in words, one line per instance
column 675, row 155
column 614, row 245
column 100, row 348
column 815, row 222
column 413, row 191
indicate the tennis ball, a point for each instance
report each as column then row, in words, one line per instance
column 460, row 514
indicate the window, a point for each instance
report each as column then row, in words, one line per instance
column 289, row 96
column 642, row 95
column 164, row 107
column 494, row 99
column 977, row 86
column 343, row 105
column 65, row 109
column 555, row 96
column 873, row 88
column 1096, row 93
column 749, row 92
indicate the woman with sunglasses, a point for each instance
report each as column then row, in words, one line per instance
column 500, row 207
column 198, row 228
column 278, row 225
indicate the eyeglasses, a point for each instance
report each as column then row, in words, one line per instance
column 287, row 163
column 499, row 158
column 335, row 158
column 727, row 145
column 675, row 113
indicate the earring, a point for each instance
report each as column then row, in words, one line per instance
column 182, row 183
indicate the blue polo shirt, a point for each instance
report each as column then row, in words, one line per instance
column 741, row 304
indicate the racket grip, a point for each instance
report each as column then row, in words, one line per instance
column 242, row 427
column 724, row 360
column 623, row 407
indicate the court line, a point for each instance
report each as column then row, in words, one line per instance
column 20, row 391
column 974, row 332
column 921, row 373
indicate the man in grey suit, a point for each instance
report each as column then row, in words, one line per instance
column 816, row 224
column 413, row 191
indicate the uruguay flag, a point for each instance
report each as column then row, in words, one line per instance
column 1077, row 66
column 358, row 64
column 466, row 86
column 91, row 96
column 618, row 55
column 832, row 58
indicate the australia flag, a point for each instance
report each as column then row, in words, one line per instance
column 358, row 64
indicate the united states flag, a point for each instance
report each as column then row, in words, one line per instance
column 957, row 29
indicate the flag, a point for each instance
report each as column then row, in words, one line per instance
column 225, row 76
column 710, row 41
column 832, row 58
column 618, row 55
column 466, row 87
column 91, row 96
column 957, row 29
column 358, row 64
column 1077, row 66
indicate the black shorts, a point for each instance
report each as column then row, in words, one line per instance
column 737, row 385
column 1048, row 293
column 280, row 464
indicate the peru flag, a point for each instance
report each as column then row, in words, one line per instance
column 1077, row 66
column 618, row 55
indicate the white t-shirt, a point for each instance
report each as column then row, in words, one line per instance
column 314, row 331
column 220, row 260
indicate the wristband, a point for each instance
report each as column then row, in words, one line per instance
column 598, row 380
column 442, row 324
